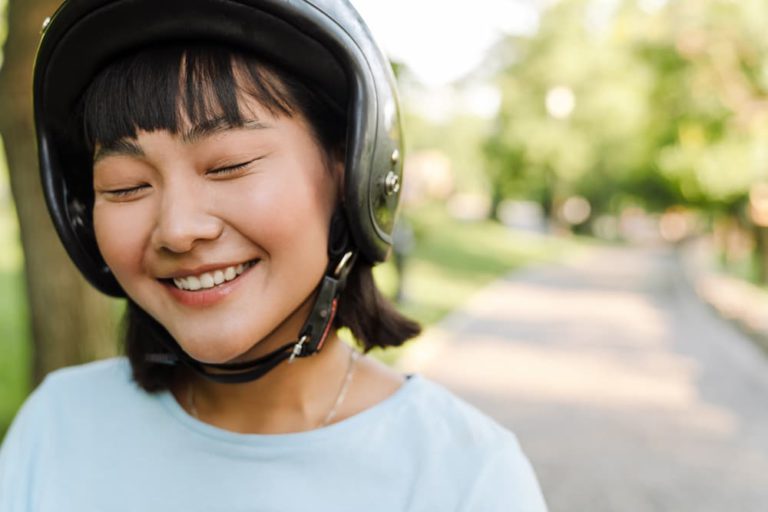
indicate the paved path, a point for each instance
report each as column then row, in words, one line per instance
column 626, row 392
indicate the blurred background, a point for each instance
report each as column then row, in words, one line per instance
column 584, row 232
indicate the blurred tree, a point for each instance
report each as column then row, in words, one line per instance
column 713, row 95
column 576, row 102
column 641, row 102
column 70, row 321
column 708, row 102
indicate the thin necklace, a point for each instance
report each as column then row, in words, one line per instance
column 353, row 357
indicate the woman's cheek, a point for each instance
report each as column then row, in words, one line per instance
column 268, row 207
column 122, row 234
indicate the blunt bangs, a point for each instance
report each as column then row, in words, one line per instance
column 170, row 87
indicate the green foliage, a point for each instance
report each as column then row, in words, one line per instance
column 670, row 105
column 592, row 149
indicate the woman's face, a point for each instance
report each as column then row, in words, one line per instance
column 219, row 233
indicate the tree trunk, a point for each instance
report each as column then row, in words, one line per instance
column 70, row 321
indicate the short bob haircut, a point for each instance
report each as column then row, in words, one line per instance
column 160, row 88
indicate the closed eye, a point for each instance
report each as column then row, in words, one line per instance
column 123, row 193
column 230, row 169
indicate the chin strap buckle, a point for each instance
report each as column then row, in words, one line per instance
column 320, row 321
column 298, row 347
column 345, row 265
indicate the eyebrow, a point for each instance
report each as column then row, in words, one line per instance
column 128, row 147
column 218, row 125
column 119, row 147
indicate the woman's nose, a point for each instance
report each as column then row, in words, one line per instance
column 185, row 218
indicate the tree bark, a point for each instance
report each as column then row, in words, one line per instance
column 70, row 321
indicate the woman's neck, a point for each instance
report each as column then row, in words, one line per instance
column 292, row 397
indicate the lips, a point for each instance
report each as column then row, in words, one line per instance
column 202, row 296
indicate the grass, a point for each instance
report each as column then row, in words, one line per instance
column 451, row 260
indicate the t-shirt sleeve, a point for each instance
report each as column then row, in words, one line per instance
column 505, row 483
column 19, row 454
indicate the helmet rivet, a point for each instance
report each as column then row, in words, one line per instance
column 46, row 22
column 395, row 157
column 392, row 183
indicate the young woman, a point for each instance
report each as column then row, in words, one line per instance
column 232, row 168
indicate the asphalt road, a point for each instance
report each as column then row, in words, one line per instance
column 626, row 392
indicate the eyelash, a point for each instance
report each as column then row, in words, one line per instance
column 231, row 168
column 127, row 192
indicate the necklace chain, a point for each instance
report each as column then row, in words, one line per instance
column 354, row 355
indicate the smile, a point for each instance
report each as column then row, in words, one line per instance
column 211, row 279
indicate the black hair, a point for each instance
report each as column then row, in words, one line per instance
column 160, row 87
column 150, row 89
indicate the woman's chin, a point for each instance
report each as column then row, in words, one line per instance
column 214, row 352
column 227, row 345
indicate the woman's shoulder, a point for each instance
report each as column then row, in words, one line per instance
column 115, row 370
column 450, row 416
column 65, row 396
column 106, row 377
column 86, row 389
column 419, row 405
column 501, row 472
column 82, row 405
column 478, row 455
column 420, row 399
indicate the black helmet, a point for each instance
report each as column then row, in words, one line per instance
column 323, row 42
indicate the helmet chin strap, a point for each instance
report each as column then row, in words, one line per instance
column 311, row 337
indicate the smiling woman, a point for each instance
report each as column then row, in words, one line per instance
column 249, row 142
column 238, row 195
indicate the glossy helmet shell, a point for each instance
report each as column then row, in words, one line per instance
column 323, row 42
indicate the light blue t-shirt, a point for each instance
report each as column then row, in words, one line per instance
column 89, row 439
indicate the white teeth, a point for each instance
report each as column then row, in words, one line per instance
column 206, row 280
column 210, row 279
column 193, row 283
